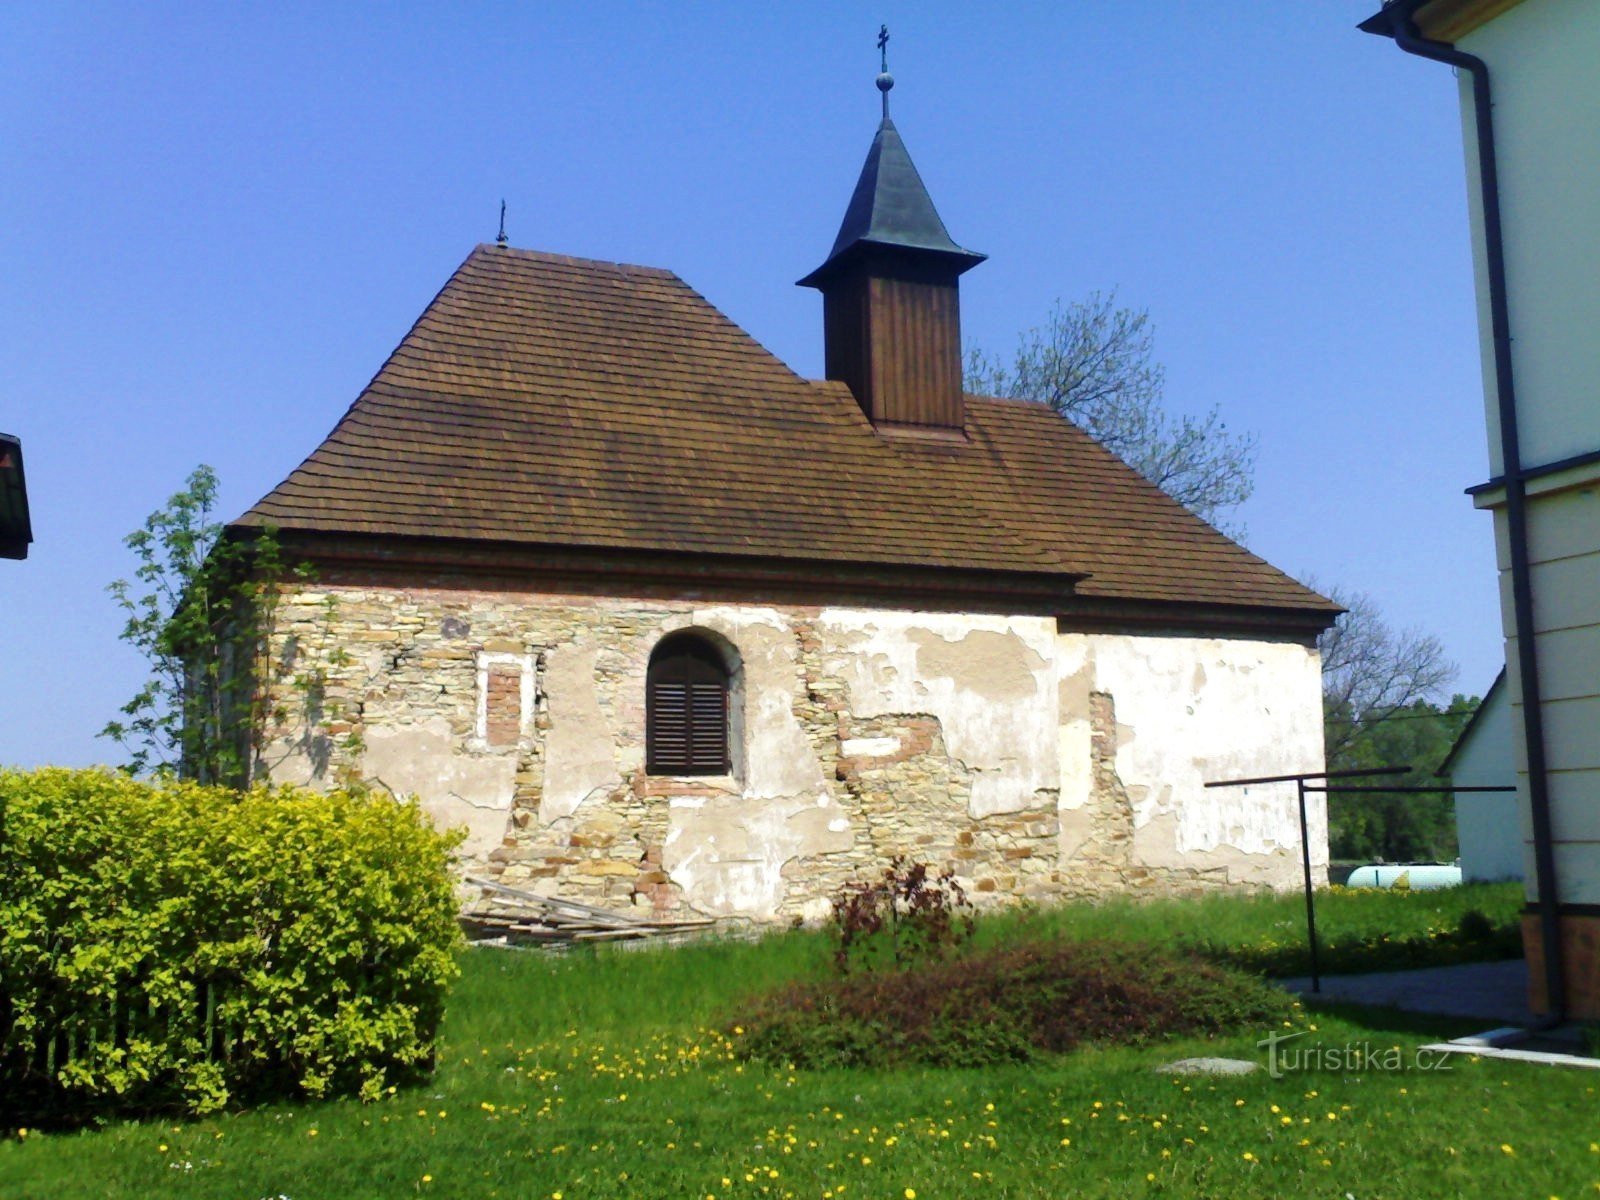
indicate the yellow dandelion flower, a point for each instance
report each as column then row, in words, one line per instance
column 911, row 1194
column 1505, row 1148
column 1248, row 1157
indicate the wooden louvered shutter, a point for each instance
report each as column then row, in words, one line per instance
column 686, row 699
column 669, row 728
column 708, row 728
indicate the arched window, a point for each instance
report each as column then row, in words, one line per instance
column 686, row 708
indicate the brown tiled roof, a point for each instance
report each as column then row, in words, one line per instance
column 543, row 400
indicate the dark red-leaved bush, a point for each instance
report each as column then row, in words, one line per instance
column 1006, row 1005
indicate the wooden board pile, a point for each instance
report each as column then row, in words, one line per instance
column 515, row 917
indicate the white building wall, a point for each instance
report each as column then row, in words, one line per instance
column 1189, row 711
column 1488, row 829
column 1541, row 56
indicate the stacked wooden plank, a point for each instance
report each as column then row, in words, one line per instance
column 518, row 917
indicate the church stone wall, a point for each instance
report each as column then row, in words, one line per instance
column 1035, row 764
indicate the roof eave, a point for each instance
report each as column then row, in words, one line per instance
column 958, row 261
column 1383, row 22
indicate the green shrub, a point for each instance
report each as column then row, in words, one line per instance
column 1005, row 1005
column 167, row 943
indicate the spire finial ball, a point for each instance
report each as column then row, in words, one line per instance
column 885, row 81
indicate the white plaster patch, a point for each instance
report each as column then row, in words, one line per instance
column 778, row 758
column 580, row 755
column 728, row 856
column 1194, row 710
column 453, row 788
column 1075, row 676
column 869, row 747
column 989, row 680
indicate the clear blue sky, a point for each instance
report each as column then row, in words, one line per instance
column 217, row 220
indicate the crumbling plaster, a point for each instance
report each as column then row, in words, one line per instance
column 1188, row 711
column 987, row 680
column 857, row 734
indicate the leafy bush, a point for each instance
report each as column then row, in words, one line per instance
column 172, row 943
column 906, row 916
column 1006, row 1005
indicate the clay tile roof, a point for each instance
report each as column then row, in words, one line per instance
column 545, row 400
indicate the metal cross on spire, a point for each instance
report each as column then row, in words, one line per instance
column 885, row 80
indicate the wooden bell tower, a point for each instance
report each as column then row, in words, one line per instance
column 890, row 293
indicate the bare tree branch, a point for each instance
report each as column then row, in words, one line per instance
column 1093, row 363
column 1371, row 671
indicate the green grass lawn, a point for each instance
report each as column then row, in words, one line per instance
column 1358, row 930
column 608, row 1073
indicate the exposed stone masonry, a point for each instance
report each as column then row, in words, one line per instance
column 841, row 759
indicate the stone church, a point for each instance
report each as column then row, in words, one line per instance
column 663, row 624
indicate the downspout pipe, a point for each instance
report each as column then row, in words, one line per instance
column 1406, row 35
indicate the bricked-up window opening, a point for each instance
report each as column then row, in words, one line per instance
column 503, row 705
column 686, row 709
column 505, row 699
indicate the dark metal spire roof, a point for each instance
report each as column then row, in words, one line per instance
column 891, row 207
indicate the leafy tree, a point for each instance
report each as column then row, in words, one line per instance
column 198, row 609
column 1399, row 826
column 1381, row 701
column 1092, row 362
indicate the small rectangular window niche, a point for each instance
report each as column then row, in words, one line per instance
column 505, row 698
